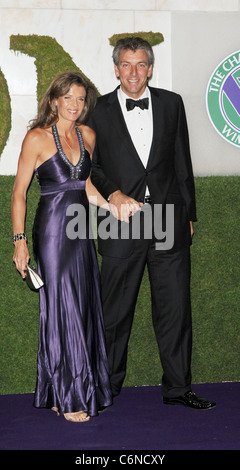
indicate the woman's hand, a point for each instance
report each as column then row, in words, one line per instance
column 123, row 206
column 21, row 257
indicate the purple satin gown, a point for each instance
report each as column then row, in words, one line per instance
column 72, row 364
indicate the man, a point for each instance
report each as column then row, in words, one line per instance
column 141, row 160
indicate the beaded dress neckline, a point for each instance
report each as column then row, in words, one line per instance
column 75, row 170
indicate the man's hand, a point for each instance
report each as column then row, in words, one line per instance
column 123, row 206
column 191, row 228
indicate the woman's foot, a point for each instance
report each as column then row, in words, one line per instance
column 54, row 408
column 78, row 417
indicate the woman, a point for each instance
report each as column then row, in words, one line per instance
column 72, row 376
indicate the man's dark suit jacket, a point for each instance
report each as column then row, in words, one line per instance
column 168, row 175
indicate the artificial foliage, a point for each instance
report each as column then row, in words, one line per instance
column 215, row 297
column 153, row 38
column 215, row 264
column 50, row 58
column 5, row 112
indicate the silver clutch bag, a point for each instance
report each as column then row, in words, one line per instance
column 33, row 279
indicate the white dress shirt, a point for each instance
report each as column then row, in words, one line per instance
column 140, row 125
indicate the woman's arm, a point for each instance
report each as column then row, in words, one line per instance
column 93, row 194
column 26, row 165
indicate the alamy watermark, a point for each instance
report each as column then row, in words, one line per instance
column 152, row 221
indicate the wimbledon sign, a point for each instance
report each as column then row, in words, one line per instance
column 223, row 99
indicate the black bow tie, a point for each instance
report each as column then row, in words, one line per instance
column 143, row 104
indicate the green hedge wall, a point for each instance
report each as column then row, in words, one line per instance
column 215, row 297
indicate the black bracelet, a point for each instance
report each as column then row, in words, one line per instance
column 19, row 236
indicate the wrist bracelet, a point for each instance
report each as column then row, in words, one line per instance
column 19, row 236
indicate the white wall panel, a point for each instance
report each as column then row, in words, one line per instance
column 158, row 22
column 200, row 41
column 196, row 39
column 198, row 5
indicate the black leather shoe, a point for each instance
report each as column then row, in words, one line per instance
column 191, row 400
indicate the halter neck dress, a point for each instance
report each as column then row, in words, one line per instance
column 72, row 367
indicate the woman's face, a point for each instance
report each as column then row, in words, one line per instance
column 70, row 106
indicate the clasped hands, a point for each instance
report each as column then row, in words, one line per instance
column 123, row 206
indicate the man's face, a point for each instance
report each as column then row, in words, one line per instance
column 133, row 71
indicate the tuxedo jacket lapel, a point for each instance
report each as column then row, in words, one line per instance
column 158, row 121
column 117, row 120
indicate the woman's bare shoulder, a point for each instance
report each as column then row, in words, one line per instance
column 88, row 131
column 37, row 135
column 89, row 136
